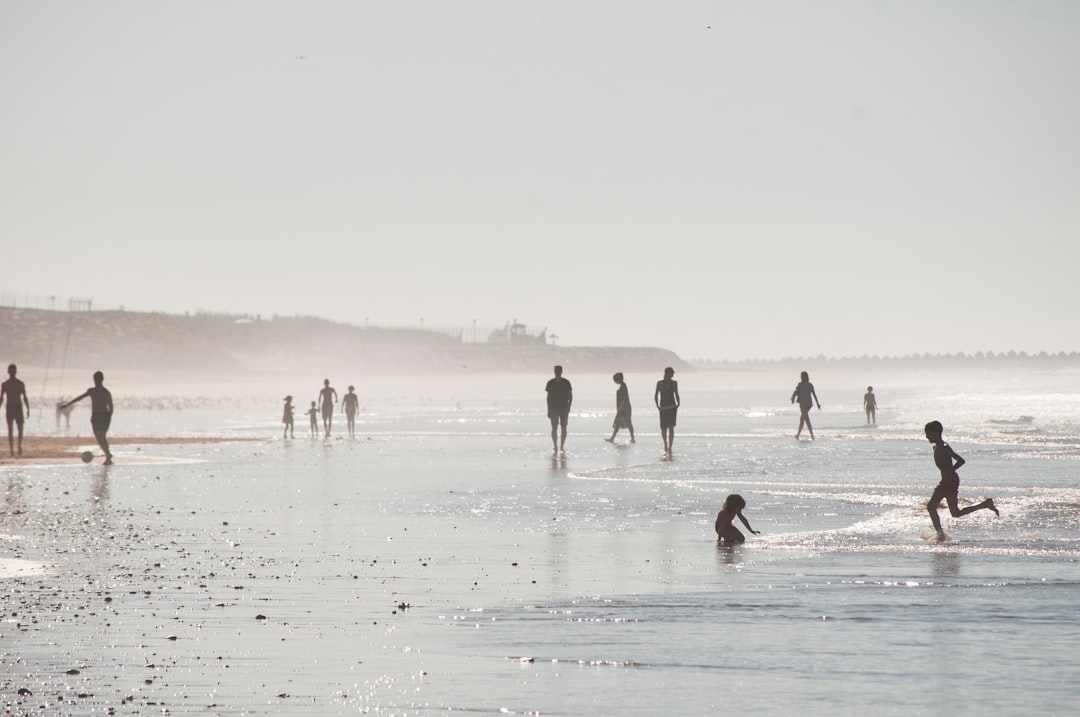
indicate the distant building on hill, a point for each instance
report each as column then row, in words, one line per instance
column 515, row 333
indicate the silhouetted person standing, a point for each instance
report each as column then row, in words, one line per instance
column 14, row 391
column 804, row 393
column 65, row 412
column 287, row 418
column 666, row 397
column 622, row 410
column 560, row 395
column 349, row 403
column 101, row 411
column 327, row 399
column 869, row 402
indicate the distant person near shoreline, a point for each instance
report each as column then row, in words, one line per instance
column 14, row 391
column 64, row 411
column 560, row 396
column 666, row 397
column 869, row 402
column 287, row 418
column 806, row 396
column 327, row 399
column 349, row 404
column 101, row 411
column 948, row 462
column 622, row 409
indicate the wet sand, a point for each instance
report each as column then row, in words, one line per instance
column 49, row 450
column 444, row 562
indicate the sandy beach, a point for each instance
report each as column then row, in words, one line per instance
column 49, row 450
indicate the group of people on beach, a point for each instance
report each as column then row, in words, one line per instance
column 324, row 406
column 13, row 392
column 560, row 397
column 806, row 396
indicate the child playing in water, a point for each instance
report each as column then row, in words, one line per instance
column 732, row 508
column 948, row 462
column 313, row 412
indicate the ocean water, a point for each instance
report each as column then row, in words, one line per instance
column 446, row 562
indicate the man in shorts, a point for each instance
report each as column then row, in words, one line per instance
column 327, row 399
column 14, row 391
column 559, row 397
column 667, row 401
column 101, row 412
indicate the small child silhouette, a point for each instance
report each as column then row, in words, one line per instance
column 726, row 532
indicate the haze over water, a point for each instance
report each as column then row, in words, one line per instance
column 446, row 562
column 722, row 179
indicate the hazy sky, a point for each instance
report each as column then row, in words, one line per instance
column 724, row 179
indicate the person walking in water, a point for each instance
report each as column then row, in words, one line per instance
column 622, row 409
column 101, row 412
column 327, row 399
column 313, row 414
column 869, row 402
column 560, row 396
column 726, row 532
column 349, row 403
column 666, row 397
column 948, row 462
column 287, row 418
column 14, row 391
column 806, row 396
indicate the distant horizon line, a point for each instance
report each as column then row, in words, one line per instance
column 1011, row 355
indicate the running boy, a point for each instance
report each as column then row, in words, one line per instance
column 948, row 462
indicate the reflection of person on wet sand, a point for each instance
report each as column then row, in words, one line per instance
column 560, row 395
column 349, row 403
column 101, row 411
column 948, row 462
column 327, row 399
column 287, row 418
column 869, row 402
column 622, row 409
column 804, row 392
column 666, row 397
column 14, row 391
column 732, row 508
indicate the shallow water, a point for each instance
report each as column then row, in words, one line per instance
column 445, row 562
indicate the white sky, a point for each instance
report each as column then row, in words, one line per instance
column 724, row 179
